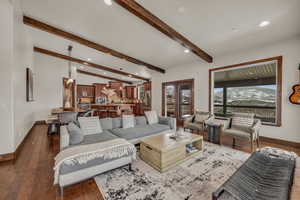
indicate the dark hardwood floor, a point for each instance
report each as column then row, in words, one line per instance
column 30, row 177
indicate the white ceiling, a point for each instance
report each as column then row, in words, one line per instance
column 218, row 27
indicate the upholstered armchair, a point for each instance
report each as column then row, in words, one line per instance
column 244, row 127
column 196, row 121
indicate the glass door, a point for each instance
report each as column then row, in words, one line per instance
column 170, row 105
column 178, row 99
column 185, row 100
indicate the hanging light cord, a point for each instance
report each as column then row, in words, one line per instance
column 69, row 53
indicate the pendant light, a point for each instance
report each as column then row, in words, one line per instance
column 70, row 80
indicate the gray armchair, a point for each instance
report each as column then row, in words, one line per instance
column 240, row 131
column 197, row 121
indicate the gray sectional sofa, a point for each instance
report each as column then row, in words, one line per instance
column 112, row 129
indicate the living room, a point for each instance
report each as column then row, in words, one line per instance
column 144, row 74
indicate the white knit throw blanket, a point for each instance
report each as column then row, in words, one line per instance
column 83, row 153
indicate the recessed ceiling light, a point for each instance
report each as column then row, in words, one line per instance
column 104, row 72
column 264, row 23
column 89, row 59
column 108, row 2
column 186, row 51
column 136, row 73
column 81, row 67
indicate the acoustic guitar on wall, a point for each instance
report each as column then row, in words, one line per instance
column 295, row 96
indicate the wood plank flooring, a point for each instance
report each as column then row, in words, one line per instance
column 30, row 177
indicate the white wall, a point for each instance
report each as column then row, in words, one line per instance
column 23, row 58
column 6, row 70
column 289, row 49
column 49, row 72
column 16, row 116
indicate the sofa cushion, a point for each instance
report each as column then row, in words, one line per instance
column 141, row 120
column 90, row 125
column 237, row 133
column 76, row 134
column 194, row 126
column 106, row 123
column 128, row 121
column 95, row 138
column 139, row 131
column 116, row 123
column 152, row 117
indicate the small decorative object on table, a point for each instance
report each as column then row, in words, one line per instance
column 180, row 134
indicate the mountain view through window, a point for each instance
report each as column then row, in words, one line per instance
column 246, row 90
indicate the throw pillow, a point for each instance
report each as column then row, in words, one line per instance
column 242, row 120
column 90, row 125
column 76, row 134
column 128, row 121
column 151, row 117
column 140, row 120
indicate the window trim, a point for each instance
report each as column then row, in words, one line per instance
column 278, row 59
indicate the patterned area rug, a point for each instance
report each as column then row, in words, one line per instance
column 194, row 179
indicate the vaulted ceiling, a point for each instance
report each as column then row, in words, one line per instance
column 217, row 27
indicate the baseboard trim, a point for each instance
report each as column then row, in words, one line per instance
column 13, row 156
column 41, row 122
column 7, row 157
column 279, row 141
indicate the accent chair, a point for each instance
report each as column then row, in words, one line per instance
column 197, row 121
column 244, row 127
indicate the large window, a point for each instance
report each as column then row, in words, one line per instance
column 248, row 88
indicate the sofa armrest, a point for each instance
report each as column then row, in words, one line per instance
column 64, row 137
column 171, row 122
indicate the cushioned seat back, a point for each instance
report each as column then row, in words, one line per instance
column 116, row 122
column 141, row 120
column 106, row 123
column 201, row 116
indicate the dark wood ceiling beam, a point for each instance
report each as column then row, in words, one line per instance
column 70, row 36
column 101, row 76
column 139, row 11
column 86, row 63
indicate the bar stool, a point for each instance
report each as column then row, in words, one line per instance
column 101, row 113
column 67, row 117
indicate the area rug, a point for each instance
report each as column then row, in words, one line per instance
column 195, row 179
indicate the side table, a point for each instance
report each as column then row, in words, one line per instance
column 214, row 133
column 214, row 127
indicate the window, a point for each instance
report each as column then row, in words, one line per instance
column 253, row 87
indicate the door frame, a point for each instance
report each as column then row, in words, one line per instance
column 177, row 83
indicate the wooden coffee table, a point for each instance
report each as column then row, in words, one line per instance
column 163, row 153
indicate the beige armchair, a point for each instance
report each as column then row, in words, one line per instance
column 241, row 129
column 196, row 121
